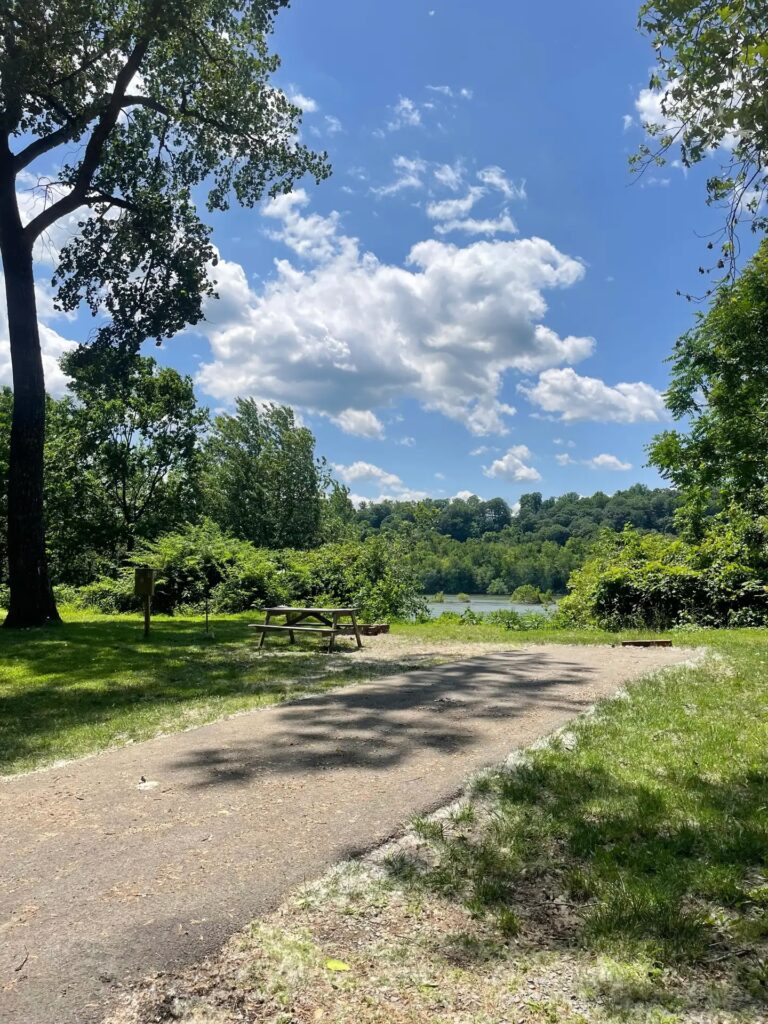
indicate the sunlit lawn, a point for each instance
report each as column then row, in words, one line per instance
column 95, row 681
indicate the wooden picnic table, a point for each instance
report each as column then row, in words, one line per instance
column 325, row 621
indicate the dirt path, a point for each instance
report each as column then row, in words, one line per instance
column 105, row 877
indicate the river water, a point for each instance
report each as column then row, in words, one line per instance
column 483, row 603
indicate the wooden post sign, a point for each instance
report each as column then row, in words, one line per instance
column 144, row 587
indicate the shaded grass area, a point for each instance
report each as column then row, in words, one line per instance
column 74, row 689
column 642, row 832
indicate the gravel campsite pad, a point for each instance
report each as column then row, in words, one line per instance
column 148, row 858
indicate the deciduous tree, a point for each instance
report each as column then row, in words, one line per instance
column 140, row 432
column 263, row 482
column 720, row 389
column 126, row 113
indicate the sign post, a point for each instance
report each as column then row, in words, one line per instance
column 144, row 587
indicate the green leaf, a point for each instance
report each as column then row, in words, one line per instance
column 337, row 965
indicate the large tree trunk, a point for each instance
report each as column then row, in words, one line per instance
column 32, row 602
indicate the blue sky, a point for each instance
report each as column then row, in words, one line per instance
column 481, row 248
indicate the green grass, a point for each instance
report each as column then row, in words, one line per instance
column 650, row 824
column 93, row 682
column 637, row 846
column 74, row 689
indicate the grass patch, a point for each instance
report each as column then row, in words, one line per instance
column 646, row 834
column 94, row 682
column 616, row 877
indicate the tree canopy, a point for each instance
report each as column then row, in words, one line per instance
column 712, row 76
column 720, row 389
column 141, row 104
column 262, row 481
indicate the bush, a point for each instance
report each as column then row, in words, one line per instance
column 519, row 620
column 498, row 587
column 657, row 582
column 200, row 563
column 375, row 575
column 111, row 595
column 526, row 594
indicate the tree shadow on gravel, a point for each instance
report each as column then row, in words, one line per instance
column 439, row 709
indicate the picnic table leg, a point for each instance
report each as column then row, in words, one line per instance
column 357, row 631
column 332, row 637
column 263, row 632
column 291, row 622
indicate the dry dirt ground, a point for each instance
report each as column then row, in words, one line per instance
column 149, row 857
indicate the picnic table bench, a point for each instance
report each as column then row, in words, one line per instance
column 324, row 621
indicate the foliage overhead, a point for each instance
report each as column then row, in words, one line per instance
column 720, row 389
column 142, row 105
column 712, row 73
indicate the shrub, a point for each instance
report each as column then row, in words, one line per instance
column 498, row 587
column 519, row 620
column 657, row 582
column 375, row 575
column 526, row 594
column 200, row 563
column 110, row 595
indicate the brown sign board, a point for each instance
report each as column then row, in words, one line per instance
column 144, row 582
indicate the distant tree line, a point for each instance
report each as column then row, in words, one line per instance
column 480, row 546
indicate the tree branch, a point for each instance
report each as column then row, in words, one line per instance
column 102, row 197
column 94, row 149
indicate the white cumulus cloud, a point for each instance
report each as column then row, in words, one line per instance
column 298, row 99
column 310, row 236
column 605, row 461
column 513, row 466
column 573, row 397
column 391, row 486
column 448, row 209
column 360, row 422
column 344, row 331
